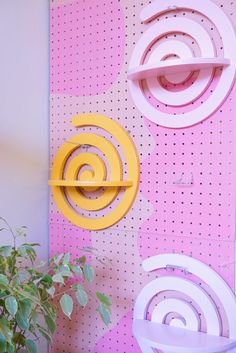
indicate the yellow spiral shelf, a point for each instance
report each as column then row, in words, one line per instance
column 67, row 184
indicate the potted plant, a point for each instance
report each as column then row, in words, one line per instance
column 27, row 291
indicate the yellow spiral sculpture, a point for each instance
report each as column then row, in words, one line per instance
column 69, row 180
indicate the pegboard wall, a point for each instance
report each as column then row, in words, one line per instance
column 186, row 198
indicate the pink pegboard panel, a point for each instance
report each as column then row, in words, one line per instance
column 87, row 52
column 120, row 339
column 63, row 237
column 201, row 155
column 186, row 200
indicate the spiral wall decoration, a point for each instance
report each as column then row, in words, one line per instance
column 90, row 181
column 173, row 59
column 188, row 316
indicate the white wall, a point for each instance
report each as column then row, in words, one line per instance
column 24, row 91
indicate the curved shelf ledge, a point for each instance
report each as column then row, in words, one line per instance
column 99, row 183
column 167, row 67
column 178, row 340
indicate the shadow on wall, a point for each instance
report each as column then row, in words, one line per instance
column 17, row 154
column 23, row 176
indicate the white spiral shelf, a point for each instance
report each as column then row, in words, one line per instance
column 190, row 322
column 154, row 53
column 166, row 67
column 178, row 340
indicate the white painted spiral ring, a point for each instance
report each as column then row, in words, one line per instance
column 226, row 80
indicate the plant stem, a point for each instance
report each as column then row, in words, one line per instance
column 10, row 230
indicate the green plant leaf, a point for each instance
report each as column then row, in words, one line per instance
column 81, row 296
column 3, row 343
column 30, row 288
column 57, row 278
column 27, row 250
column 11, row 263
column 51, row 324
column 2, row 264
column 22, row 251
column 33, row 244
column 5, row 250
column 30, row 252
column 66, row 273
column 66, row 259
column 10, row 348
column 49, row 309
column 24, row 276
column 64, row 267
column 81, row 260
column 3, row 293
column 28, row 293
column 88, row 272
column 19, row 338
column 37, row 280
column 56, row 259
column 64, row 270
column 22, row 315
column 43, row 294
column 45, row 334
column 31, row 346
column 104, row 313
column 103, row 298
column 47, row 279
column 77, row 270
column 5, row 330
column 3, row 280
column 51, row 291
column 22, row 321
column 35, row 317
column 25, row 307
column 66, row 303
column 11, row 305
column 34, row 330
column 33, row 272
